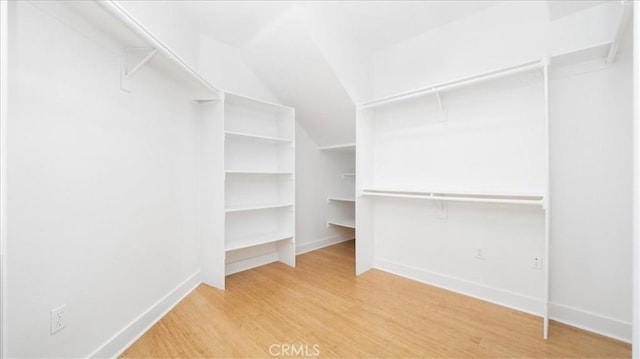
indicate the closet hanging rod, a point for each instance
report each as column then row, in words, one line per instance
column 450, row 85
column 125, row 17
column 531, row 200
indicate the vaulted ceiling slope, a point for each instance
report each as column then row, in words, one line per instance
column 317, row 56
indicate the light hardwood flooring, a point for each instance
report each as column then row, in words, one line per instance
column 280, row 310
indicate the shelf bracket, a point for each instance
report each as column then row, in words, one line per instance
column 203, row 101
column 132, row 62
column 442, row 210
column 441, row 207
column 439, row 98
column 442, row 115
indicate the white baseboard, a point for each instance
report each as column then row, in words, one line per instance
column 132, row 332
column 589, row 321
column 312, row 246
column 251, row 262
column 488, row 294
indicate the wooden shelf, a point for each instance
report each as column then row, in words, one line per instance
column 344, row 222
column 260, row 138
column 240, row 243
column 460, row 196
column 341, row 199
column 256, row 207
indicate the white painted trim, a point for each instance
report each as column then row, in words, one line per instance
column 341, row 147
column 590, row 321
column 4, row 99
column 251, row 262
column 321, row 243
column 498, row 296
column 635, row 345
column 115, row 346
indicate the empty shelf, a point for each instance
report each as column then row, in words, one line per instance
column 258, row 172
column 256, row 104
column 346, row 148
column 342, row 199
column 256, row 207
column 258, row 137
column 234, row 244
column 344, row 222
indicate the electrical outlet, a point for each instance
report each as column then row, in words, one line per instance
column 479, row 253
column 536, row 263
column 57, row 319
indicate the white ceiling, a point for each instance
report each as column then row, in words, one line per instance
column 234, row 22
column 287, row 60
column 561, row 8
column 375, row 25
column 372, row 24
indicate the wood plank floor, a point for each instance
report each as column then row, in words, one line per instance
column 322, row 308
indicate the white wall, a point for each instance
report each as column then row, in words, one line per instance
column 169, row 22
column 591, row 147
column 102, row 204
column 591, row 196
column 490, row 139
column 504, row 35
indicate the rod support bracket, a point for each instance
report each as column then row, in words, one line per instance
column 442, row 209
column 442, row 114
column 132, row 61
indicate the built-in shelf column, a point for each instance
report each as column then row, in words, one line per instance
column 341, row 198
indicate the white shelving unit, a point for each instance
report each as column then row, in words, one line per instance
column 431, row 148
column 248, row 186
column 259, row 186
column 257, row 207
column 344, row 222
column 341, row 200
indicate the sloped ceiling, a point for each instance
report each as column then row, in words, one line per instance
column 298, row 59
column 234, row 22
column 286, row 58
column 374, row 25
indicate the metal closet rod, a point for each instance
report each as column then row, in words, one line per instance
column 532, row 200
column 458, row 83
column 123, row 15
